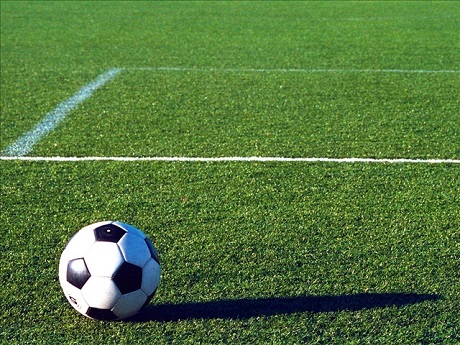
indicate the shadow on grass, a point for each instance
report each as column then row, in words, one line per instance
column 247, row 308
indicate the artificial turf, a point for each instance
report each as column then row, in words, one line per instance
column 282, row 253
column 250, row 252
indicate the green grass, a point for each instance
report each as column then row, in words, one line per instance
column 237, row 231
column 266, row 114
column 282, row 253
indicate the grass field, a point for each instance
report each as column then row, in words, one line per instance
column 276, row 251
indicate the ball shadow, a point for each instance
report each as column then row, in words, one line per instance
column 247, row 308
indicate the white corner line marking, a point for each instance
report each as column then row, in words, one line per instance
column 24, row 144
column 233, row 159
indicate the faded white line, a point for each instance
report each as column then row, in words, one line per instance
column 235, row 159
column 24, row 144
column 287, row 70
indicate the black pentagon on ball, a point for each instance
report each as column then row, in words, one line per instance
column 128, row 278
column 152, row 250
column 109, row 233
column 101, row 314
column 77, row 272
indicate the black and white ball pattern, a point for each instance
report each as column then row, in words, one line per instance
column 109, row 270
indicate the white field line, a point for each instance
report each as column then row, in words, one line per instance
column 233, row 159
column 24, row 144
column 286, row 70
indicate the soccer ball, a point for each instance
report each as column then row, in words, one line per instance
column 109, row 270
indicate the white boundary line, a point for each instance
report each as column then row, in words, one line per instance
column 24, row 144
column 286, row 70
column 232, row 159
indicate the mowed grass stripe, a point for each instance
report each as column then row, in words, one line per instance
column 24, row 144
column 200, row 113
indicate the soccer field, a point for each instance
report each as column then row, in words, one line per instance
column 296, row 164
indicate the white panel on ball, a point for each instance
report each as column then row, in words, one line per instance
column 75, row 297
column 134, row 249
column 80, row 243
column 101, row 292
column 129, row 304
column 103, row 259
column 63, row 262
column 150, row 277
